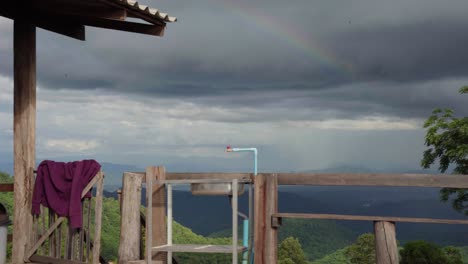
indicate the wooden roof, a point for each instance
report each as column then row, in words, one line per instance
column 69, row 17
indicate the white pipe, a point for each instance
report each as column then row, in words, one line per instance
column 251, row 213
column 169, row 223
column 234, row 220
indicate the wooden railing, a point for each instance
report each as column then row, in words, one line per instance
column 7, row 187
column 268, row 220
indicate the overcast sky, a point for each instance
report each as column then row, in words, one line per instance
column 312, row 84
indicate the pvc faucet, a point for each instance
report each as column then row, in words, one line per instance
column 246, row 240
column 254, row 150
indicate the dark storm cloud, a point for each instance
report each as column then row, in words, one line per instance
column 427, row 50
column 404, row 57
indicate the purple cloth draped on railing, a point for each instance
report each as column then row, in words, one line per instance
column 59, row 186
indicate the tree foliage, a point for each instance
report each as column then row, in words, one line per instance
column 290, row 252
column 422, row 252
column 318, row 237
column 453, row 254
column 363, row 250
column 447, row 142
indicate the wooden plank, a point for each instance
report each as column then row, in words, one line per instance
column 98, row 218
column 181, row 176
column 386, row 249
column 51, row 260
column 211, row 175
column 371, row 218
column 266, row 205
column 143, row 262
column 74, row 8
column 130, row 228
column 259, row 219
column 72, row 30
column 150, row 175
column 52, row 240
column 64, row 27
column 190, row 248
column 373, row 179
column 44, row 237
column 155, row 30
column 7, row 187
column 271, row 207
column 88, row 231
column 159, row 224
column 72, row 25
column 24, row 135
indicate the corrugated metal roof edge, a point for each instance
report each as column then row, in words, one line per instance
column 147, row 10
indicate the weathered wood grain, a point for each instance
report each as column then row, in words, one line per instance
column 24, row 128
column 159, row 225
column 98, row 218
column 386, row 249
column 130, row 228
column 373, row 179
column 371, row 218
column 266, row 204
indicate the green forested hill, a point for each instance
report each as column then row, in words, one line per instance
column 317, row 237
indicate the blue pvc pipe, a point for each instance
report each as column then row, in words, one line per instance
column 245, row 241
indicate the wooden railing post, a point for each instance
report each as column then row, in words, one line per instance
column 24, row 128
column 266, row 204
column 130, row 228
column 386, row 250
column 159, row 225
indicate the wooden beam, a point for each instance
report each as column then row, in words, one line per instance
column 202, row 175
column 369, row 218
column 130, row 228
column 159, row 224
column 266, row 204
column 72, row 25
column 68, row 29
column 24, row 128
column 64, row 27
column 78, row 8
column 214, row 175
column 7, row 187
column 373, row 179
column 51, row 260
column 386, row 249
column 155, row 30
column 150, row 177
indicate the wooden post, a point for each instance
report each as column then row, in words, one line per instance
column 266, row 204
column 159, row 212
column 130, row 228
column 386, row 250
column 98, row 218
column 24, row 135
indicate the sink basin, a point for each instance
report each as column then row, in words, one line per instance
column 215, row 188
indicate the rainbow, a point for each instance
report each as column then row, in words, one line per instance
column 288, row 33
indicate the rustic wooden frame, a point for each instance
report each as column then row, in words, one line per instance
column 31, row 255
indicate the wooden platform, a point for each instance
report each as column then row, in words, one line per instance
column 199, row 248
